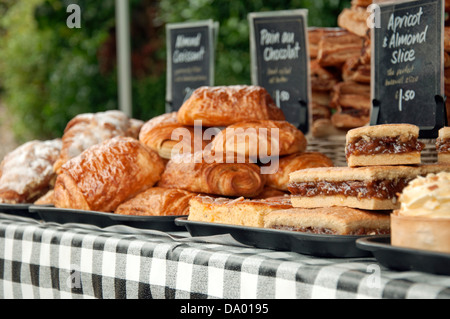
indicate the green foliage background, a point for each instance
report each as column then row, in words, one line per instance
column 50, row 73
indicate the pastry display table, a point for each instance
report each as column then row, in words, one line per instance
column 54, row 261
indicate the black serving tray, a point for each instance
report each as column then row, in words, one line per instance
column 329, row 246
column 21, row 210
column 405, row 259
column 103, row 220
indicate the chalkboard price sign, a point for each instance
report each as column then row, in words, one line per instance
column 280, row 61
column 407, row 65
column 190, row 60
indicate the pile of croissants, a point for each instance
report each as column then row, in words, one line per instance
column 108, row 162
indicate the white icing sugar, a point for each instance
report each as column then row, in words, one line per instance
column 30, row 165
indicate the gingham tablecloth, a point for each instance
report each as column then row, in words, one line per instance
column 72, row 261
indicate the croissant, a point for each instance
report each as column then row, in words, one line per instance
column 27, row 172
column 293, row 163
column 157, row 201
column 226, row 105
column 163, row 133
column 86, row 130
column 106, row 175
column 259, row 140
column 197, row 174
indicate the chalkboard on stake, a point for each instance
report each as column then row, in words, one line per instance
column 280, row 61
column 407, row 65
column 190, row 59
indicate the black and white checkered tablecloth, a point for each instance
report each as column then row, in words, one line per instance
column 53, row 261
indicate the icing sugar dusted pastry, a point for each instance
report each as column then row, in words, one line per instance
column 86, row 130
column 27, row 172
column 226, row 105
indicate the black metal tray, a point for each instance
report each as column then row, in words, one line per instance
column 22, row 210
column 329, row 246
column 405, row 259
column 102, row 220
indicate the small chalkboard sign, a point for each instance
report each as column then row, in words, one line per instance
column 407, row 65
column 280, row 61
column 190, row 60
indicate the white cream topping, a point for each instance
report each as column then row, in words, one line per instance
column 427, row 196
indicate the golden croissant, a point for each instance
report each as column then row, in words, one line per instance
column 196, row 174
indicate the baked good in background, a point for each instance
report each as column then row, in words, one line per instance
column 423, row 220
column 227, row 105
column 135, row 126
column 354, row 19
column 443, row 145
column 86, row 130
column 239, row 212
column 388, row 144
column 339, row 59
column 335, row 48
column 295, row 162
column 27, row 173
column 322, row 79
column 157, row 201
column 163, row 133
column 106, row 175
column 447, row 67
column 352, row 101
column 259, row 140
column 354, row 70
column 199, row 174
column 330, row 221
column 368, row 188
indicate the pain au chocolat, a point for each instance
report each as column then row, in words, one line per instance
column 388, row 144
column 369, row 188
column 89, row 129
column 157, row 201
column 330, row 221
column 226, row 105
column 106, row 175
